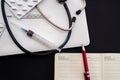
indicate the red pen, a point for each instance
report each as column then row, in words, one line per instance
column 86, row 74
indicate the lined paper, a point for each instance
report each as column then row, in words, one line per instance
column 69, row 66
column 111, row 67
column 95, row 62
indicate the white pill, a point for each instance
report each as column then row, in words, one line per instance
column 30, row 5
column 19, row 13
column 14, row 8
column 24, row 9
column 12, row 1
column 19, row 3
column 35, row 0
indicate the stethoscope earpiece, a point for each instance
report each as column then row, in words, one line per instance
column 61, row 1
column 78, row 12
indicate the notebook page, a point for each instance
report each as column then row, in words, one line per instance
column 69, row 66
column 95, row 66
column 111, row 67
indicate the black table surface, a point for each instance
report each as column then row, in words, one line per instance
column 104, row 29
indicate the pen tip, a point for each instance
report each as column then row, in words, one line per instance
column 23, row 29
column 83, row 47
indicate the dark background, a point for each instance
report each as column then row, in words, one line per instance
column 104, row 29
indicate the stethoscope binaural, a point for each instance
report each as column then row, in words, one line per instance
column 67, row 10
column 71, row 21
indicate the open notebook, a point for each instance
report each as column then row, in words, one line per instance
column 69, row 66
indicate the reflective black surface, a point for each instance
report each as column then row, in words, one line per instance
column 104, row 28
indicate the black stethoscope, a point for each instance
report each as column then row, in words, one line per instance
column 70, row 19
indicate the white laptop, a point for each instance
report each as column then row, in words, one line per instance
column 33, row 20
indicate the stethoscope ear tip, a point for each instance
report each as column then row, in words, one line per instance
column 61, row 1
column 78, row 12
